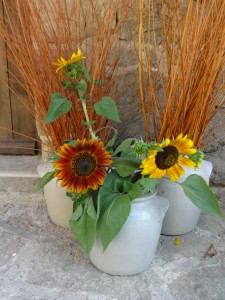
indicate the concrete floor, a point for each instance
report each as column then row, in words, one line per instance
column 41, row 261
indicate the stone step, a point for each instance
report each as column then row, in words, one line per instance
column 18, row 178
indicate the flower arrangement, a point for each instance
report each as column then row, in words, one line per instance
column 102, row 180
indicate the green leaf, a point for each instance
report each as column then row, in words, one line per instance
column 148, row 185
column 55, row 157
column 112, row 141
column 81, row 87
column 125, row 167
column 127, row 185
column 135, row 191
column 88, row 76
column 156, row 147
column 113, row 218
column 44, row 180
column 58, row 106
column 77, row 213
column 197, row 190
column 87, row 123
column 105, row 197
column 142, row 186
column 84, row 228
column 91, row 210
column 106, row 107
column 70, row 142
column 123, row 146
column 115, row 183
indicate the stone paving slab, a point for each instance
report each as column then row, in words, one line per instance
column 41, row 261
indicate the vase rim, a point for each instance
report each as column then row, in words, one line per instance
column 145, row 197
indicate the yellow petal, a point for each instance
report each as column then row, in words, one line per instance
column 179, row 169
column 187, row 151
column 183, row 144
column 148, row 171
column 179, row 137
column 158, row 173
column 184, row 161
column 173, row 173
column 167, row 142
column 177, row 241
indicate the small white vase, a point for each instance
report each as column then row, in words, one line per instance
column 59, row 206
column 182, row 215
column 133, row 249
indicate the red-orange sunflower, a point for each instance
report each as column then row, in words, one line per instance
column 82, row 167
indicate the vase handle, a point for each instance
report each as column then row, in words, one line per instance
column 43, row 168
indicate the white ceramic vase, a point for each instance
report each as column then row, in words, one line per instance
column 59, row 206
column 182, row 215
column 133, row 249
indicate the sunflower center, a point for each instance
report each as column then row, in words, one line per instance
column 84, row 164
column 165, row 160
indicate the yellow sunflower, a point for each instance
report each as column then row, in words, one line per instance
column 82, row 167
column 170, row 161
column 62, row 63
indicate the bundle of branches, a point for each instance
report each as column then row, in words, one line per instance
column 37, row 33
column 182, row 87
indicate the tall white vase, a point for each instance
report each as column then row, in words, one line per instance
column 182, row 215
column 133, row 249
column 59, row 206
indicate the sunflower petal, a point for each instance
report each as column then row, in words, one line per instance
column 173, row 173
column 186, row 162
column 157, row 173
column 179, row 169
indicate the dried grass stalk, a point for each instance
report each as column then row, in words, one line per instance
column 38, row 32
column 185, row 91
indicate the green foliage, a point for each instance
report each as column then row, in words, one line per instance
column 75, row 71
column 110, row 144
column 70, row 142
column 197, row 190
column 44, row 180
column 125, row 167
column 113, row 218
column 123, row 146
column 114, row 203
column 197, row 157
column 106, row 107
column 155, row 147
column 58, row 106
column 142, row 186
column 87, row 123
column 81, row 88
column 88, row 76
column 113, row 206
column 83, row 224
column 147, row 185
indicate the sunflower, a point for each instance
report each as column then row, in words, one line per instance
column 82, row 167
column 170, row 161
column 62, row 63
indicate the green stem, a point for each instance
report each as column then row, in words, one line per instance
column 93, row 136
